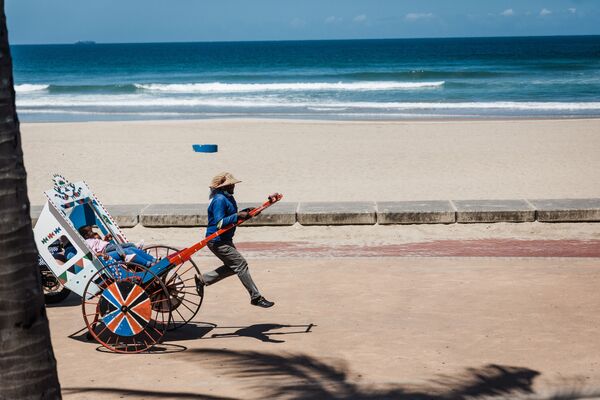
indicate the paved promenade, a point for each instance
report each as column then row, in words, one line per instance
column 364, row 327
column 436, row 248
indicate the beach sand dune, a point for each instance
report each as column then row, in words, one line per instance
column 143, row 162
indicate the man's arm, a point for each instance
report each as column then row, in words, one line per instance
column 219, row 209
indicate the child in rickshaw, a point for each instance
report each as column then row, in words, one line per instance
column 105, row 248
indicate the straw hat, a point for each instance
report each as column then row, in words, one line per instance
column 223, row 179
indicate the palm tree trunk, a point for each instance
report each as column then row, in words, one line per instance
column 27, row 364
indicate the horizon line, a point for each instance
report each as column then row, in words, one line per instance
column 82, row 42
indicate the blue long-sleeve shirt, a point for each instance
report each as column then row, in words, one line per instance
column 222, row 211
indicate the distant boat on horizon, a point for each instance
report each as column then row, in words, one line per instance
column 85, row 42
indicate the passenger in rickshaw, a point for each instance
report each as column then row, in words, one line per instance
column 67, row 248
column 58, row 250
column 103, row 248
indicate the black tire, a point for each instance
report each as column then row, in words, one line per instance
column 56, row 296
column 54, row 291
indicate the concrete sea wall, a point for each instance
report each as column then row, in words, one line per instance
column 367, row 212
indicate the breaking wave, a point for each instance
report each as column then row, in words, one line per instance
column 28, row 87
column 123, row 101
column 219, row 87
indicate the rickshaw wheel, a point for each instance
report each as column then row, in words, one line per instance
column 185, row 287
column 119, row 307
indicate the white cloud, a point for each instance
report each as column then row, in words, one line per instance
column 545, row 12
column 360, row 18
column 508, row 12
column 416, row 16
column 333, row 19
column 572, row 10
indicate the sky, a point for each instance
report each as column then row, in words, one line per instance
column 129, row 21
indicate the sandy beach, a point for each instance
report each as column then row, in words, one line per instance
column 153, row 162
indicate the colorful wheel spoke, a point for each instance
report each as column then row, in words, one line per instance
column 123, row 319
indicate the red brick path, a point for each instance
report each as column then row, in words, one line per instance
column 438, row 248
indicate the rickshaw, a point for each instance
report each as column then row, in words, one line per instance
column 127, row 307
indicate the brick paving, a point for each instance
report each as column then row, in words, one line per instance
column 436, row 248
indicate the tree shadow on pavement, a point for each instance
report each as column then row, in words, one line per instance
column 80, row 392
column 299, row 376
column 302, row 377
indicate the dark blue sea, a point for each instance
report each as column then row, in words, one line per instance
column 351, row 79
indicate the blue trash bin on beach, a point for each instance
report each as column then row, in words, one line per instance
column 205, row 148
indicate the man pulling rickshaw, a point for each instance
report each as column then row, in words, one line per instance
column 223, row 211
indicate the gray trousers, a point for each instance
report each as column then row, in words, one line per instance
column 233, row 263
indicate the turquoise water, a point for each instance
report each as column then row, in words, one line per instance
column 353, row 79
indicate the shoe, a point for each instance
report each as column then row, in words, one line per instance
column 129, row 257
column 199, row 285
column 262, row 302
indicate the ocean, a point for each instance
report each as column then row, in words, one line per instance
column 349, row 79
